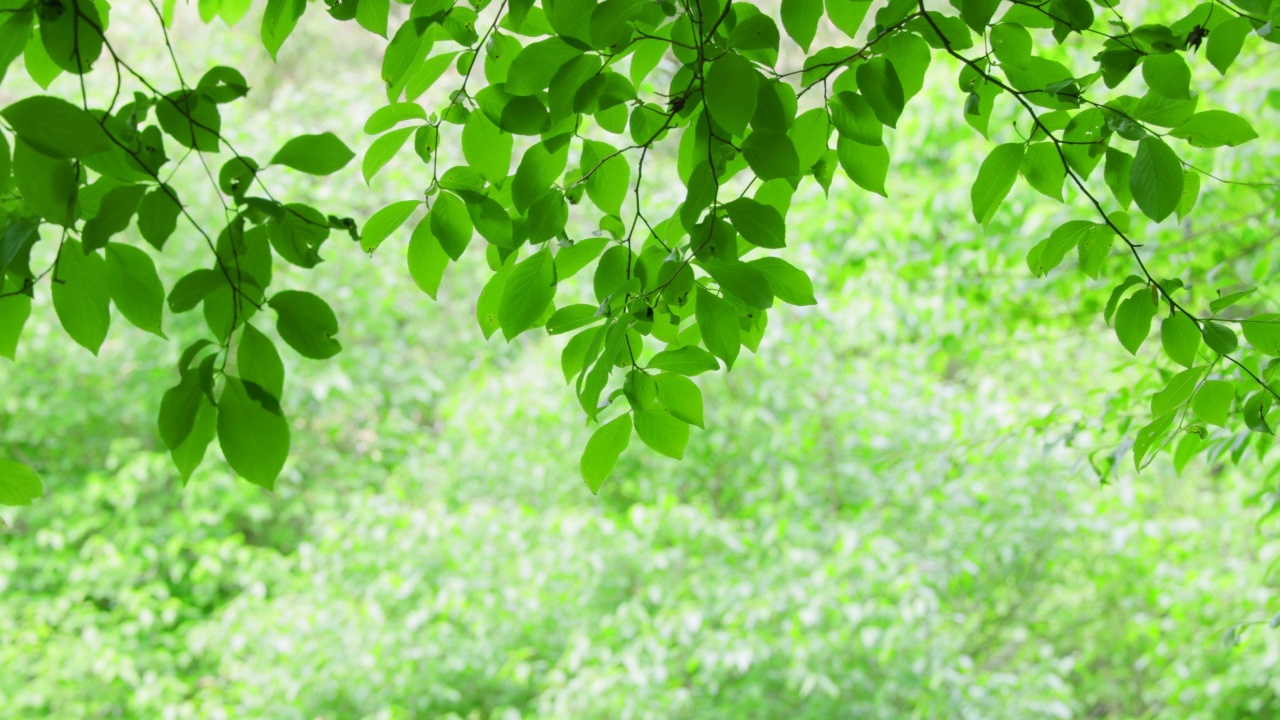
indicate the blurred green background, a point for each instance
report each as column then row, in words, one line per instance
column 896, row 510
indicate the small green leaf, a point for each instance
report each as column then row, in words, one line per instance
column 1181, row 339
column 56, row 128
column 19, row 484
column 114, row 214
column 879, row 83
column 179, row 407
column 1146, row 438
column 1012, row 45
column 1133, row 320
column 603, row 449
column 1176, row 392
column 787, row 282
column 757, row 223
column 800, row 19
column 1263, row 333
column 385, row 118
column 687, row 360
column 48, row 185
column 1220, row 338
column 1044, row 169
column 1225, row 41
column 427, row 259
column 528, row 293
column 386, row 221
column 306, row 323
column 259, row 363
column 451, row 224
column 854, row 119
column 1155, row 179
column 278, row 21
column 663, row 432
column 1255, row 412
column 680, row 397
column 486, row 148
column 995, row 179
column 740, row 280
column 1213, row 401
column 382, row 150
column 730, row 92
column 135, row 287
column 81, row 295
column 1215, row 128
column 253, row 434
column 718, row 322
column 866, row 165
column 158, row 216
column 771, row 155
column 322, row 154
column 1168, row 75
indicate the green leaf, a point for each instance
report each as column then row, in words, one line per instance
column 322, row 154
column 607, row 187
column 1044, row 169
column 14, row 311
column 771, row 155
column 662, row 432
column 995, row 179
column 1255, row 412
column 19, row 484
column 571, row 259
column 194, row 287
column 730, row 92
column 72, row 35
column 486, row 148
column 191, row 119
column 680, row 397
column 1155, row 179
column 757, row 223
column 306, row 323
column 854, row 119
column 687, row 360
column 1116, row 175
column 1225, row 41
column 1012, row 45
column 1213, row 401
column 135, row 287
column 48, row 185
column 1220, row 338
column 56, row 128
column 1215, row 128
column 427, row 259
column 718, row 322
column 603, row 449
column 179, row 408
column 278, row 21
column 259, row 363
column 254, row 436
column 1181, row 339
column 114, row 214
column 537, row 63
column 1168, row 75
column 866, row 165
column 573, row 317
column 880, row 86
column 372, row 15
column 740, row 280
column 540, row 167
column 1222, row 302
column 490, row 300
column 977, row 14
column 158, row 216
column 1263, row 333
column 1133, row 321
column 800, row 19
column 529, row 290
column 1176, row 392
column 386, row 221
column 787, row 282
column 81, row 295
column 451, row 224
column 382, row 150
column 385, row 118
column 1146, row 438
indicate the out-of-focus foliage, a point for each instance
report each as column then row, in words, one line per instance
column 892, row 515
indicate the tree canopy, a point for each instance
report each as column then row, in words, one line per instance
column 560, row 120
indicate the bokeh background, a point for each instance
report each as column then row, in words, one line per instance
column 904, row 506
